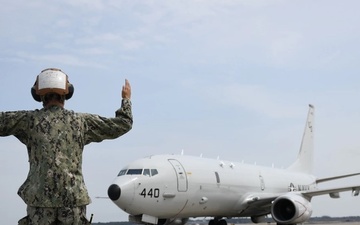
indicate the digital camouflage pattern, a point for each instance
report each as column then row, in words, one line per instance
column 55, row 138
column 55, row 216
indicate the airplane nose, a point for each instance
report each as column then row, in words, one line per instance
column 114, row 192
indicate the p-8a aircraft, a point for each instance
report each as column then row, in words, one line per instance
column 169, row 189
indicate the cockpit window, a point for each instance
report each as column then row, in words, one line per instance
column 146, row 172
column 134, row 171
column 122, row 172
column 154, row 172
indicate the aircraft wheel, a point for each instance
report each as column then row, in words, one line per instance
column 212, row 222
column 222, row 222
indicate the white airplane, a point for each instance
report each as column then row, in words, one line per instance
column 169, row 189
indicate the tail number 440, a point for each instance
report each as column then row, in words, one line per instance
column 150, row 193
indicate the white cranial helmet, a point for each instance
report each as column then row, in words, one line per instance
column 52, row 80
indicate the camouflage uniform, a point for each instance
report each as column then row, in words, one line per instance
column 55, row 216
column 55, row 138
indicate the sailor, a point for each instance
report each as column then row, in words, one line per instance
column 55, row 191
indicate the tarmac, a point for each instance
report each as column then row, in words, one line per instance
column 317, row 223
column 307, row 223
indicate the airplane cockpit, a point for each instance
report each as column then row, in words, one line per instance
column 128, row 179
column 145, row 172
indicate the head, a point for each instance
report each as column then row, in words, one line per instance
column 52, row 87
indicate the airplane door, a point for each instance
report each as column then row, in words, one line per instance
column 182, row 183
column 262, row 182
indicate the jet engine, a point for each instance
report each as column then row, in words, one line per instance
column 291, row 209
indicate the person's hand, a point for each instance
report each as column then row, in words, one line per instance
column 126, row 90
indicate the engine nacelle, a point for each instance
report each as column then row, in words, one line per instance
column 291, row 209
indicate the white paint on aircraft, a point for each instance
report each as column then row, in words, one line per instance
column 165, row 189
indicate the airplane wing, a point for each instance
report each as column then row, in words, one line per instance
column 260, row 203
column 334, row 178
column 257, row 203
column 333, row 192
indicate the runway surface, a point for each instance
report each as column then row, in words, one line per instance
column 313, row 223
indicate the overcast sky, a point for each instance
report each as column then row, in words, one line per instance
column 229, row 78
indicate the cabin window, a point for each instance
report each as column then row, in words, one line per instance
column 217, row 177
column 134, row 172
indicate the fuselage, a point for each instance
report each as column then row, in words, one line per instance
column 179, row 186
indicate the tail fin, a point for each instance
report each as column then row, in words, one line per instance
column 304, row 161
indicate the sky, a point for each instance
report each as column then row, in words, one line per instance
column 229, row 79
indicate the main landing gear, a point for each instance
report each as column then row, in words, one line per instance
column 217, row 221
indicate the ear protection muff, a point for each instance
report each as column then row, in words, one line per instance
column 35, row 92
column 35, row 96
column 71, row 91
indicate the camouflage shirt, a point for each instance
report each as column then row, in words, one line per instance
column 55, row 138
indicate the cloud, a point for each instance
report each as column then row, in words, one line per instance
column 285, row 48
column 111, row 41
column 254, row 98
column 210, row 76
column 59, row 59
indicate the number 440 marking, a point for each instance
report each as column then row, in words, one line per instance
column 151, row 193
